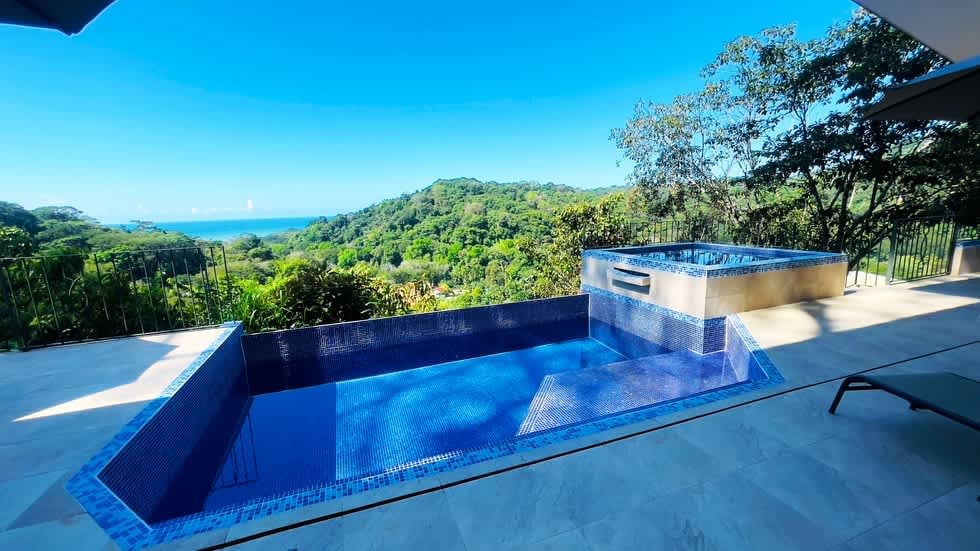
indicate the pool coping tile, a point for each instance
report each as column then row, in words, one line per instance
column 795, row 259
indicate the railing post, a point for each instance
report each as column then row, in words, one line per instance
column 231, row 295
column 952, row 246
column 892, row 254
column 54, row 308
column 24, row 335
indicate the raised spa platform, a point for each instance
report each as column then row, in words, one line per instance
column 966, row 257
column 706, row 281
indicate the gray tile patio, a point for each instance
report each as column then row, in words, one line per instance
column 768, row 470
column 58, row 407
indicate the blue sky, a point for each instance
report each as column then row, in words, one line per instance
column 186, row 110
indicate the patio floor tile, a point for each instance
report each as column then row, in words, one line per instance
column 16, row 496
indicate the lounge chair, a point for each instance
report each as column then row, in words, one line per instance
column 947, row 394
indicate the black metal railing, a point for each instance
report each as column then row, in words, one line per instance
column 66, row 298
column 674, row 231
column 912, row 249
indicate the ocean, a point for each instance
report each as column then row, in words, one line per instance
column 226, row 230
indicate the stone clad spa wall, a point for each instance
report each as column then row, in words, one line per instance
column 966, row 257
column 707, row 292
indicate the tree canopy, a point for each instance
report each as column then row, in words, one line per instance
column 14, row 215
column 775, row 143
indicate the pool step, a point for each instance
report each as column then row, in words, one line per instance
column 586, row 394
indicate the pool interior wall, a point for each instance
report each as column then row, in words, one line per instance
column 274, row 413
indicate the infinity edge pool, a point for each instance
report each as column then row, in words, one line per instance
column 119, row 478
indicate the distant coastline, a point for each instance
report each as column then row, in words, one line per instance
column 226, row 230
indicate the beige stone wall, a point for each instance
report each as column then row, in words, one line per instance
column 729, row 295
column 710, row 298
column 966, row 260
column 678, row 292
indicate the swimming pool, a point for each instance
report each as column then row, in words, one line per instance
column 360, row 427
column 277, row 422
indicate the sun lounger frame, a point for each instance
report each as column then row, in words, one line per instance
column 887, row 384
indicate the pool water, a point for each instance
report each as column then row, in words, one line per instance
column 351, row 429
column 705, row 257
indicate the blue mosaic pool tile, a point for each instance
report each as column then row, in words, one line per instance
column 130, row 532
column 968, row 243
column 752, row 359
column 151, row 473
column 630, row 325
column 584, row 394
column 758, row 363
column 361, row 427
column 787, row 259
column 132, row 475
column 303, row 357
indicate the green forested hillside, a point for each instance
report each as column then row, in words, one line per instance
column 66, row 230
column 462, row 235
column 441, row 219
column 454, row 243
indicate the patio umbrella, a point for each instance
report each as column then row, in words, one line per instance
column 67, row 16
column 951, row 93
column 949, row 27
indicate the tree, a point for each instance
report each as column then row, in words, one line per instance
column 144, row 226
column 245, row 242
column 14, row 242
column 61, row 214
column 346, row 258
column 776, row 146
column 581, row 226
column 421, row 248
column 261, row 253
column 12, row 214
column 316, row 293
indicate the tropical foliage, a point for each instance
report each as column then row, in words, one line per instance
column 457, row 243
column 775, row 144
column 459, row 235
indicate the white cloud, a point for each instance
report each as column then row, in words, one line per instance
column 250, row 205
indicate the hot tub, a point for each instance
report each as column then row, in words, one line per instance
column 691, row 287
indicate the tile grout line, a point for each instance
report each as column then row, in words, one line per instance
column 720, row 476
column 905, row 512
